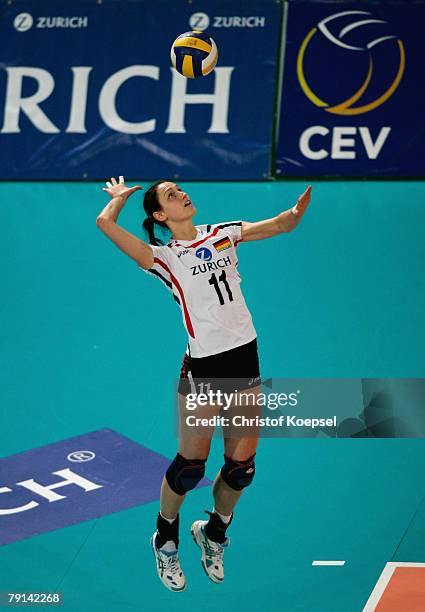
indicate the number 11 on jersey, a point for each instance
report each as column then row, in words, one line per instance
column 215, row 283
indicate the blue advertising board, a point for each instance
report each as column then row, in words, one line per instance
column 353, row 90
column 87, row 90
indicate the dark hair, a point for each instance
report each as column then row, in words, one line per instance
column 151, row 204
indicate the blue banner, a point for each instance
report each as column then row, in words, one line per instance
column 353, row 93
column 87, row 90
column 76, row 480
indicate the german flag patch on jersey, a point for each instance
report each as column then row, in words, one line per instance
column 222, row 244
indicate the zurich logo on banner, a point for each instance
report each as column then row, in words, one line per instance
column 76, row 480
column 204, row 254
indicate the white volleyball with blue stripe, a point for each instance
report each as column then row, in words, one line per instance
column 194, row 54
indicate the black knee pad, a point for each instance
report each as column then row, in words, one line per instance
column 238, row 474
column 184, row 474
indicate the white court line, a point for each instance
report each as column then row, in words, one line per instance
column 383, row 581
column 328, row 563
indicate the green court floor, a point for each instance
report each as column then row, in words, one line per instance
column 89, row 342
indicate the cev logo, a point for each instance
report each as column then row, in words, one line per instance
column 23, row 22
column 204, row 254
column 346, row 107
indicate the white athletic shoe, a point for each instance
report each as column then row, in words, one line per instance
column 212, row 552
column 168, row 567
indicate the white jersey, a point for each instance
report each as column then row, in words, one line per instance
column 202, row 275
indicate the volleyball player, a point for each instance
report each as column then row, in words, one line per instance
column 198, row 265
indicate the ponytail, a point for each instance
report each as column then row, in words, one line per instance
column 151, row 204
column 148, row 226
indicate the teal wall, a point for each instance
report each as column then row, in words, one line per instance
column 85, row 332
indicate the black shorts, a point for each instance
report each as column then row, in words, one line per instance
column 232, row 370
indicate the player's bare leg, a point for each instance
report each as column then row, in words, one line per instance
column 183, row 474
column 236, row 474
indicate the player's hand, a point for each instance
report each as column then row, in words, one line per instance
column 303, row 201
column 115, row 189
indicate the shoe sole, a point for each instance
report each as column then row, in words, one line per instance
column 215, row 580
column 166, row 585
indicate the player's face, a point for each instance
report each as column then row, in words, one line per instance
column 175, row 203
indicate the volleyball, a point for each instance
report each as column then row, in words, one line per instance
column 194, row 54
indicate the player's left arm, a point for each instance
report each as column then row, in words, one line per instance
column 286, row 221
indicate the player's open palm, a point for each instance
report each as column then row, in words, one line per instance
column 119, row 188
column 302, row 203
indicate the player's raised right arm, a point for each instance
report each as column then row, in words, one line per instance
column 132, row 246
